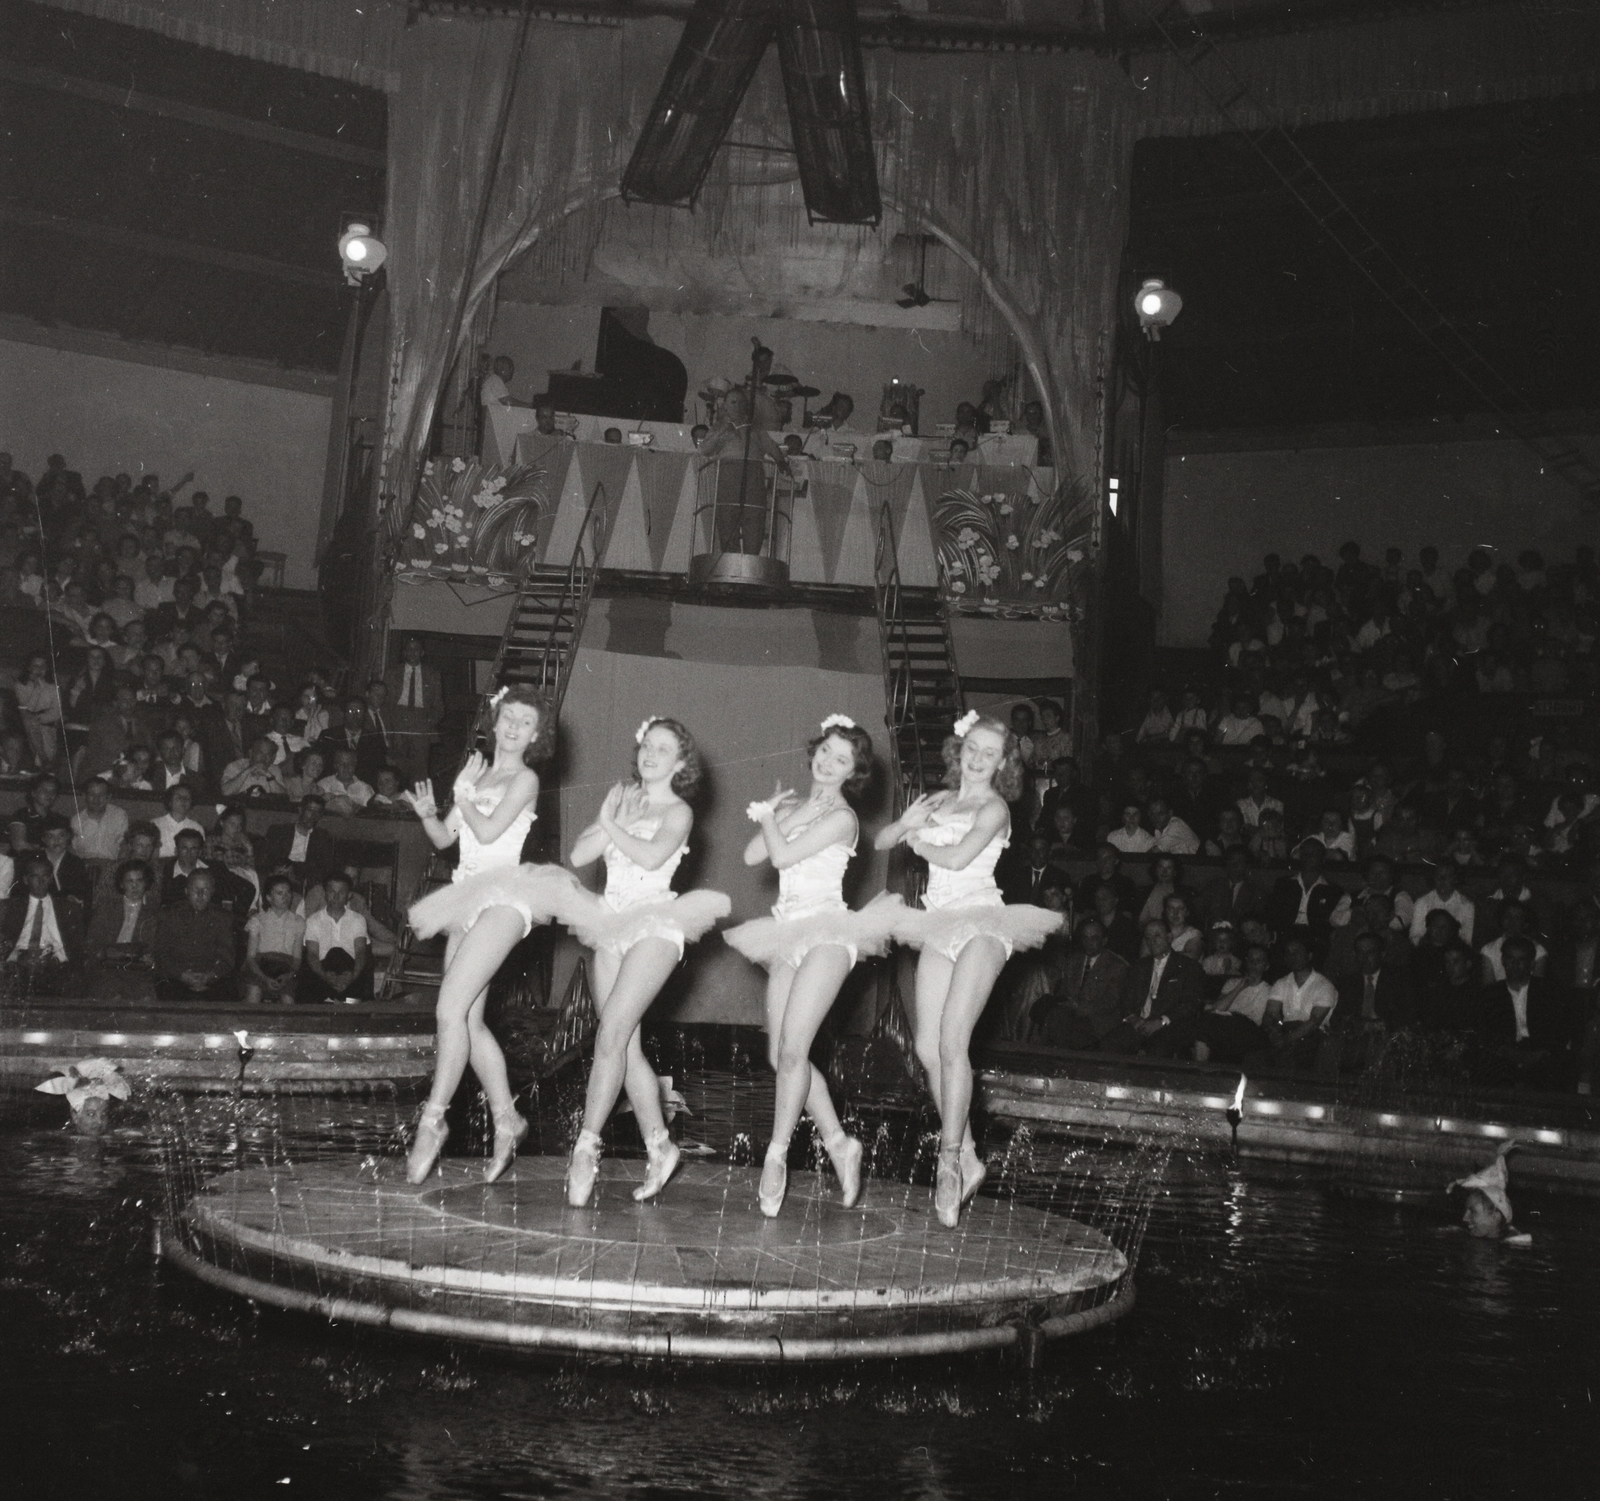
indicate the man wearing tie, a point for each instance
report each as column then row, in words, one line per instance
column 1027, row 880
column 1373, row 1002
column 375, row 748
column 113, row 731
column 416, row 696
column 43, row 934
column 1090, row 1005
column 1161, row 996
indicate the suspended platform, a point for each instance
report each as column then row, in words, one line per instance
column 698, row 1275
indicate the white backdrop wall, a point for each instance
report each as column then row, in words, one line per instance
column 1224, row 510
column 949, row 366
column 262, row 442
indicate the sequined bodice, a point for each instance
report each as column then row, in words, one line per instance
column 506, row 850
column 628, row 883
column 974, row 883
column 816, row 883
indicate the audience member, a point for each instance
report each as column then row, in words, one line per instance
column 194, row 945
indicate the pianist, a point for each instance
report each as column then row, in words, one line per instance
column 496, row 388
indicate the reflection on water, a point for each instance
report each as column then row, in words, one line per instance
column 1287, row 1341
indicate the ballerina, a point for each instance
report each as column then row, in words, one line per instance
column 810, row 943
column 638, row 931
column 492, row 903
column 965, row 932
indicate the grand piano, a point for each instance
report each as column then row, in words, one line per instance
column 633, row 377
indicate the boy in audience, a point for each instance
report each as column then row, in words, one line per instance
column 336, row 950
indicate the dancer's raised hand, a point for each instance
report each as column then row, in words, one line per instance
column 919, row 812
column 421, row 800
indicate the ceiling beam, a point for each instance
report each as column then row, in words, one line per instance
column 184, row 250
column 190, row 114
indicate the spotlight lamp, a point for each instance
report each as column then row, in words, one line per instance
column 361, row 253
column 1157, row 305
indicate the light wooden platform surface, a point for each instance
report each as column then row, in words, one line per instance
column 702, row 1258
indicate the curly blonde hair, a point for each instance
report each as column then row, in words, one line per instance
column 1007, row 776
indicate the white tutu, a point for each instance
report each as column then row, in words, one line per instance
column 540, row 893
column 679, row 919
column 769, row 941
column 948, row 930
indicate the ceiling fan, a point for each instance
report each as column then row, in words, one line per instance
column 917, row 291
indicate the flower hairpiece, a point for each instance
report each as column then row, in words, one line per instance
column 838, row 722
column 965, row 723
column 494, row 698
column 644, row 729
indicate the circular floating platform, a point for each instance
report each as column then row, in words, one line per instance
column 699, row 1275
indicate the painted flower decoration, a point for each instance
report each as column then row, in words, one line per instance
column 966, row 537
column 1005, row 508
column 1011, row 543
column 957, row 587
column 458, row 466
column 1047, row 538
column 1027, row 578
column 1074, row 555
column 1039, row 583
column 418, row 530
column 441, row 547
column 988, row 572
column 435, row 516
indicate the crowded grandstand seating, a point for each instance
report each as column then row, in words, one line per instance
column 1370, row 815
column 150, row 732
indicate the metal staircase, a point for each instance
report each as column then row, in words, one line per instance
column 536, row 650
column 921, row 687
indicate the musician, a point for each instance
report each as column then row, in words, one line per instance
column 496, row 388
column 833, row 425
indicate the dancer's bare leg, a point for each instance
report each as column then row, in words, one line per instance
column 471, row 962
column 971, row 982
column 633, row 985
column 797, row 1003
column 639, row 1079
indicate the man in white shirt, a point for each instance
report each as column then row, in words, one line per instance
column 1517, row 922
column 337, row 944
column 1444, row 894
column 344, row 790
column 155, row 588
column 1171, row 834
column 496, row 388
column 1238, row 726
column 1299, row 1006
column 43, row 934
column 99, row 825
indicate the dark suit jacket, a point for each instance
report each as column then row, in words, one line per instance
column 276, row 843
column 1550, row 1023
column 69, row 919
column 1220, row 902
column 1181, row 993
column 1019, row 882
column 1283, row 908
column 1396, row 1003
column 1098, row 997
column 373, row 751
column 106, row 924
column 432, row 691
column 72, row 878
column 228, row 891
column 109, row 738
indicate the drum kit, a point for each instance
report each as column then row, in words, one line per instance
column 782, row 387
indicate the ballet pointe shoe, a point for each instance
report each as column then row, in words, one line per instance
column 661, row 1162
column 510, row 1131
column 845, row 1154
column 774, row 1181
column 947, row 1187
column 583, row 1167
column 973, row 1171
column 427, row 1144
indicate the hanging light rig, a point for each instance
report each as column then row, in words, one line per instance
column 1157, row 305
column 361, row 253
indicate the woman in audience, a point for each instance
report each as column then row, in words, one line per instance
column 312, row 766
column 122, row 932
column 39, row 703
column 230, row 845
column 179, row 800
column 274, row 943
column 95, row 688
